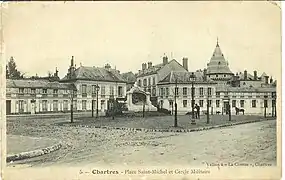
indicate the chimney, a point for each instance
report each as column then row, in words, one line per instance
column 271, row 80
column 56, row 72
column 143, row 66
column 255, row 75
column 149, row 65
column 266, row 79
column 245, row 75
column 165, row 60
column 72, row 61
column 205, row 74
column 185, row 63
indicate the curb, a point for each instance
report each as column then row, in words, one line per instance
column 34, row 153
column 169, row 130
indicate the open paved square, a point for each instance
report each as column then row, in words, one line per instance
column 248, row 143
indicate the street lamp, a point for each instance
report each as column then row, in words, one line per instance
column 192, row 79
column 72, row 91
column 175, row 104
column 208, row 113
column 228, row 108
column 97, row 88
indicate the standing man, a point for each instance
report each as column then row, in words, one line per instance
column 198, row 111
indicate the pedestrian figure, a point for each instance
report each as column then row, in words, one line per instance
column 198, row 111
column 195, row 111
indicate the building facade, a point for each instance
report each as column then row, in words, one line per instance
column 26, row 96
column 86, row 80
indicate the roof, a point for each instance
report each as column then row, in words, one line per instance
column 218, row 64
column 96, row 74
column 184, row 77
column 172, row 65
column 129, row 77
column 28, row 83
column 246, row 89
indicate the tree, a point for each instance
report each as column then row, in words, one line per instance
column 12, row 71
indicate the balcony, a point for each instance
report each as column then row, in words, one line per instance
column 84, row 94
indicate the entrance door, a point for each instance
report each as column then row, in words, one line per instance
column 8, row 106
column 21, row 106
column 226, row 107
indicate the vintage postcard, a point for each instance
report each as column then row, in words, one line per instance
column 141, row 90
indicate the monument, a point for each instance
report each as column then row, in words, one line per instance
column 137, row 99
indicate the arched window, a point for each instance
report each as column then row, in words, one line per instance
column 219, row 63
column 140, row 83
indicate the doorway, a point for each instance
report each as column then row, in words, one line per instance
column 8, row 106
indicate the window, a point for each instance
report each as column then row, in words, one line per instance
column 224, row 75
column 153, row 80
column 84, row 90
column 102, row 91
column 242, row 103
column 120, row 91
column 84, row 104
column 144, row 82
column 149, row 83
column 55, row 91
column 234, row 103
column 209, row 91
column 44, row 91
column 273, row 94
column 153, row 92
column 185, row 91
column 265, row 103
column 216, row 75
column 65, row 105
column 93, row 89
column 184, row 103
column 44, row 105
column 33, row 91
column 218, row 94
column 217, row 103
column 139, row 83
column 176, row 91
column 201, row 102
column 74, row 105
column 111, row 91
column 21, row 90
column 167, row 91
column 160, row 92
column 21, row 106
column 210, row 103
column 55, row 105
column 253, row 103
column 201, row 91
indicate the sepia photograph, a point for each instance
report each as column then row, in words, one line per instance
column 141, row 90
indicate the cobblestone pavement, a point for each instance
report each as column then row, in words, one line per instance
column 255, row 142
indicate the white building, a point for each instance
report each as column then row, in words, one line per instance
column 85, row 79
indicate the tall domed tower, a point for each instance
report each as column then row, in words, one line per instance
column 218, row 68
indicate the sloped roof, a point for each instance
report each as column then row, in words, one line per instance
column 96, row 74
column 172, row 65
column 218, row 63
column 184, row 77
column 129, row 77
column 245, row 89
column 28, row 83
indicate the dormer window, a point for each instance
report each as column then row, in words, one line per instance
column 219, row 63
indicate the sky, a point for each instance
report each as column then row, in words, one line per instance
column 44, row 35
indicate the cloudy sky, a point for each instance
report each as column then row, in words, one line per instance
column 42, row 36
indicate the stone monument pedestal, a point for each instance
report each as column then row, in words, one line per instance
column 137, row 100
